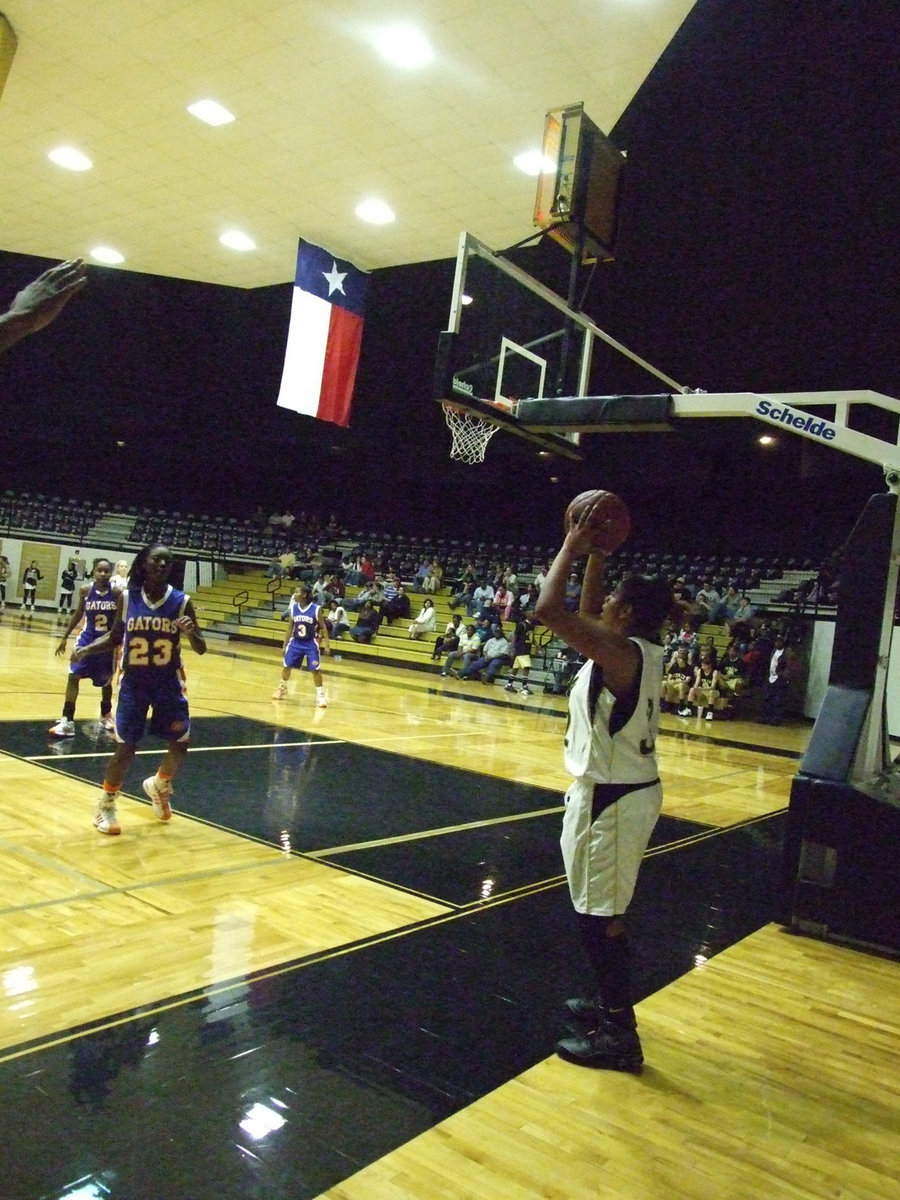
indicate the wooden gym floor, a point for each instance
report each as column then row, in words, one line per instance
column 339, row 969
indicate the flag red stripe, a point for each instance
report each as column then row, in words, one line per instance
column 339, row 371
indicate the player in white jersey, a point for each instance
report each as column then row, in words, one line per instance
column 614, row 800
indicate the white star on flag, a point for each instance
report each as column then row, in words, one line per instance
column 335, row 278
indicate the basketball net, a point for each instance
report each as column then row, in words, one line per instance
column 470, row 434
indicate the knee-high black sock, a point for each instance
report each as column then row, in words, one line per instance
column 610, row 960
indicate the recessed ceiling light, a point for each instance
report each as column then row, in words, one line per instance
column 375, row 212
column 766, row 440
column 235, row 240
column 211, row 112
column 404, row 46
column 532, row 162
column 71, row 159
column 106, row 254
column 464, row 299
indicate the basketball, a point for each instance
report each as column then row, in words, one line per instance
column 611, row 520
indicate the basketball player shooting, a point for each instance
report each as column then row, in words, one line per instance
column 610, row 750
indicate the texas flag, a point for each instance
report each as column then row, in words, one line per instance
column 324, row 336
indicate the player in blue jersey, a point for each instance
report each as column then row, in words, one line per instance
column 307, row 629
column 98, row 606
column 154, row 616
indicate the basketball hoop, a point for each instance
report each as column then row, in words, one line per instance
column 471, row 434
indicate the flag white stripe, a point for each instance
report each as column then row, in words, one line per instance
column 304, row 358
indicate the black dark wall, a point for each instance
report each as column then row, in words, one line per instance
column 758, row 250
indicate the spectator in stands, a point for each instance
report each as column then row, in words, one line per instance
column 434, row 579
column 41, row 301
column 728, row 605
column 573, row 593
column 678, row 678
column 367, row 623
column 732, row 672
column 372, row 591
column 350, row 565
column 682, row 638
column 707, row 646
column 449, row 639
column 119, row 578
column 563, row 668
column 528, row 598
column 541, row 576
column 503, row 602
column 483, row 591
column 336, row 620
column 705, row 690
column 468, row 649
column 521, row 655
column 397, row 606
column 683, row 594
column 495, row 655
column 706, row 602
column 740, row 625
column 420, row 575
column 321, row 592
column 464, row 594
column 425, row 621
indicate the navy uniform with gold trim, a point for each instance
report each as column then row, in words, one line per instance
column 152, row 674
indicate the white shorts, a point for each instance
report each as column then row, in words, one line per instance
column 602, row 857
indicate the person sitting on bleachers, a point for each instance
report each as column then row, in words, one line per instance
column 397, row 605
column 483, row 591
column 573, row 593
column 705, row 690
column 369, row 591
column 706, row 602
column 503, row 602
column 677, row 681
column 367, row 622
column 495, row 655
column 683, row 638
column 740, row 627
column 732, row 672
column 336, row 620
column 425, row 621
column 434, row 579
column 528, row 598
column 449, row 639
column 468, row 649
column 465, row 591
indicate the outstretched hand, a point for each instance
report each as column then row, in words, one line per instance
column 42, row 300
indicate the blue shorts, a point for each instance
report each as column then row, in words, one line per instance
column 167, row 697
column 98, row 668
column 296, row 652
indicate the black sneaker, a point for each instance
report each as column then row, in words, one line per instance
column 584, row 1008
column 610, row 1047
